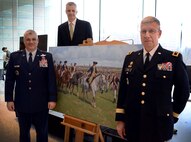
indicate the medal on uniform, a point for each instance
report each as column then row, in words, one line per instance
column 16, row 72
column 167, row 66
column 159, row 66
column 130, row 64
column 127, row 81
column 43, row 62
column 129, row 67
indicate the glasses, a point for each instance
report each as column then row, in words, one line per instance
column 152, row 31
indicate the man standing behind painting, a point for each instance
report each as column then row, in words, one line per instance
column 74, row 31
column 30, row 73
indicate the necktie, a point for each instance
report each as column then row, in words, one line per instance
column 147, row 60
column 30, row 59
column 71, row 30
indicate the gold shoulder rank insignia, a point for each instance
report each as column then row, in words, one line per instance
column 129, row 53
column 175, row 53
column 119, row 110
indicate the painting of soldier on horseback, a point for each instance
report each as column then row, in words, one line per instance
column 87, row 81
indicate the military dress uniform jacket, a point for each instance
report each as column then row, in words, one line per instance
column 144, row 101
column 34, row 87
column 82, row 31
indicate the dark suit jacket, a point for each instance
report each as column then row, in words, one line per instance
column 82, row 31
column 34, row 88
column 144, row 99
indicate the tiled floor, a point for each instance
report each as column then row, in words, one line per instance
column 9, row 127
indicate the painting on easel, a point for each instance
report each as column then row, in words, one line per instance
column 88, row 79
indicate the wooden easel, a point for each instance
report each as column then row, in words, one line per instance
column 81, row 127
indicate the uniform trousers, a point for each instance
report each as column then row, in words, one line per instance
column 40, row 122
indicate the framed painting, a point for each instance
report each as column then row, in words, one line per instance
column 94, row 100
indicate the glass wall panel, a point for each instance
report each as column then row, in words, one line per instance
column 52, row 20
column 39, row 16
column 91, row 14
column 148, row 8
column 186, row 31
column 6, row 32
column 24, row 19
column 176, row 23
column 171, row 22
column 120, row 20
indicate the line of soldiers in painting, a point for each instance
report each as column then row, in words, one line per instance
column 65, row 74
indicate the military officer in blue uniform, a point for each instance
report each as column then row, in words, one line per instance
column 30, row 88
column 146, row 109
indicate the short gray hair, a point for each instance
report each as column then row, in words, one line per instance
column 71, row 4
column 30, row 32
column 150, row 19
